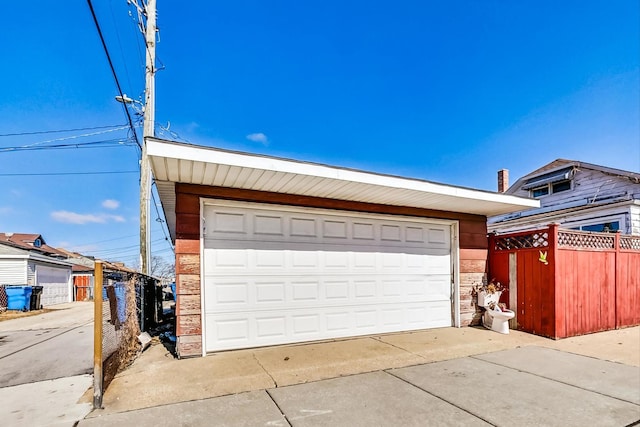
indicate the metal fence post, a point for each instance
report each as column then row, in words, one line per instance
column 97, row 337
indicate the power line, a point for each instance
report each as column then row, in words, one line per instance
column 120, row 248
column 113, row 71
column 67, row 173
column 40, row 132
column 65, row 138
column 95, row 144
column 102, row 241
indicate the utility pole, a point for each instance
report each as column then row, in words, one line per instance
column 148, row 132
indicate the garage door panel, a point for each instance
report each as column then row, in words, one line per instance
column 229, row 294
column 269, row 327
column 336, row 290
column 254, row 329
column 233, row 224
column 270, row 293
column 55, row 284
column 276, row 276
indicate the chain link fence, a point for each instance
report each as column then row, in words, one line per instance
column 127, row 303
column 120, row 325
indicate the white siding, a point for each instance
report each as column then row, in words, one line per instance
column 635, row 220
column 31, row 274
column 13, row 271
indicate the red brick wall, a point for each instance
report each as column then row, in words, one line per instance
column 473, row 250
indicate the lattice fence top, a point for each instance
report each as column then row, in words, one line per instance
column 573, row 239
column 630, row 242
column 538, row 239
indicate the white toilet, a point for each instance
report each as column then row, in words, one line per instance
column 494, row 318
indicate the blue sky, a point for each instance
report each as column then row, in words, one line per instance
column 444, row 91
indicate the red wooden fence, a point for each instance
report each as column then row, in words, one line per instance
column 565, row 283
column 83, row 286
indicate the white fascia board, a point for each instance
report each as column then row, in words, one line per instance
column 39, row 258
column 212, row 155
column 8, row 256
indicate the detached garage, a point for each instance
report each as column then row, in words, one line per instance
column 21, row 267
column 273, row 251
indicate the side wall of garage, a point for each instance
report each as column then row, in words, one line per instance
column 473, row 249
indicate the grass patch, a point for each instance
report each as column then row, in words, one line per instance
column 16, row 314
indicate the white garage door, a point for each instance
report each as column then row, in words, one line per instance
column 55, row 284
column 275, row 275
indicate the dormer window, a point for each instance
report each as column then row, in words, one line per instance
column 37, row 243
column 558, row 187
column 550, row 183
column 540, row 191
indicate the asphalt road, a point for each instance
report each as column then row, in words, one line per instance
column 30, row 351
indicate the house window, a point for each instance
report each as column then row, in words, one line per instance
column 552, row 188
column 607, row 227
column 561, row 186
column 37, row 243
column 540, row 191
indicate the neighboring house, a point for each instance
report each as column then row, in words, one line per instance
column 274, row 251
column 25, row 259
column 576, row 195
column 84, row 272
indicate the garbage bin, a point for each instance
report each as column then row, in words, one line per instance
column 121, row 295
column 18, row 297
column 173, row 290
column 35, row 298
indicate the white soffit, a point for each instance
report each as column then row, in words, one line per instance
column 174, row 162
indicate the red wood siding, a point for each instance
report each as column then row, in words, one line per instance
column 473, row 268
column 188, row 317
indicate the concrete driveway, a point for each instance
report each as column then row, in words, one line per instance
column 449, row 376
column 526, row 386
column 46, row 363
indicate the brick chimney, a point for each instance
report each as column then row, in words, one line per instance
column 503, row 180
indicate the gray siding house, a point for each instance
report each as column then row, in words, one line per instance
column 576, row 195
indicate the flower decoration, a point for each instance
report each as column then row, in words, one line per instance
column 491, row 288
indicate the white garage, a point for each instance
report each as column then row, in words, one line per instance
column 277, row 274
column 22, row 267
column 55, row 282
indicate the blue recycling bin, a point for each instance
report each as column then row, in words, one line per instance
column 121, row 300
column 173, row 290
column 19, row 297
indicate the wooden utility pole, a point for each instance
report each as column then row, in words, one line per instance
column 148, row 131
column 97, row 336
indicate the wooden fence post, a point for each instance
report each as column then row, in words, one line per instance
column 97, row 337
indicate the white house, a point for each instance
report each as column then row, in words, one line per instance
column 23, row 267
column 576, row 195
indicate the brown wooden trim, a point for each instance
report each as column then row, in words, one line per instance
column 319, row 202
